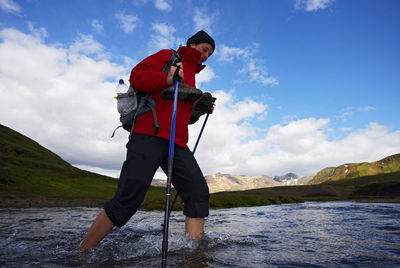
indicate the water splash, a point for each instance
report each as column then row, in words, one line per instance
column 296, row 235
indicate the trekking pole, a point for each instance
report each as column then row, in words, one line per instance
column 170, row 168
column 194, row 150
column 201, row 132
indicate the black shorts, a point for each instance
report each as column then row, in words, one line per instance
column 145, row 154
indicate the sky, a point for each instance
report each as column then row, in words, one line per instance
column 300, row 84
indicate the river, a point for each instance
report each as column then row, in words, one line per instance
column 311, row 234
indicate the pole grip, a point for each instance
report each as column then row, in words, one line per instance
column 176, row 76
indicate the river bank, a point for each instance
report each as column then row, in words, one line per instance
column 34, row 201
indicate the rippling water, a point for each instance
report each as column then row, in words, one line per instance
column 332, row 234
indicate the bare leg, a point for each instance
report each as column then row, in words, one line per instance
column 101, row 226
column 194, row 227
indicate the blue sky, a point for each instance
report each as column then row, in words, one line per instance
column 301, row 84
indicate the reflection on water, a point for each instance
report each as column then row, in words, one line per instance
column 333, row 234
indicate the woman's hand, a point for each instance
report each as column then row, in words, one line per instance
column 172, row 69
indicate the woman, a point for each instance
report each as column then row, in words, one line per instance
column 146, row 150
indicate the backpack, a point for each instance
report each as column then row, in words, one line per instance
column 133, row 103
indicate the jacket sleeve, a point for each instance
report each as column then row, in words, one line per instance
column 147, row 76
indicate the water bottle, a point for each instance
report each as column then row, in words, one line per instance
column 121, row 88
column 126, row 100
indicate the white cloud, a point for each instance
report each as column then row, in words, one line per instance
column 97, row 26
column 227, row 131
column 38, row 32
column 163, row 37
column 259, row 73
column 65, row 102
column 10, row 6
column 312, row 5
column 85, row 44
column 205, row 76
column 301, row 146
column 164, row 29
column 163, row 5
column 128, row 22
column 365, row 109
column 350, row 111
column 203, row 20
column 228, row 54
column 252, row 66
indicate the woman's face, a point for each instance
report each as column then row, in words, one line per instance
column 205, row 49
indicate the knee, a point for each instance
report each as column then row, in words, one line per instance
column 196, row 207
column 118, row 215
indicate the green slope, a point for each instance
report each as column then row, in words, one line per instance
column 27, row 168
column 354, row 170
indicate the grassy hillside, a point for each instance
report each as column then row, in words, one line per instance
column 31, row 175
column 347, row 171
column 27, row 168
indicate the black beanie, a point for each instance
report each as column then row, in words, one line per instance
column 201, row 37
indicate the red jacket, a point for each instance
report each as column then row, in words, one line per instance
column 147, row 76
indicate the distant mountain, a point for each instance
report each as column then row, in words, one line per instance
column 388, row 164
column 293, row 179
column 226, row 182
column 303, row 180
column 287, row 179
